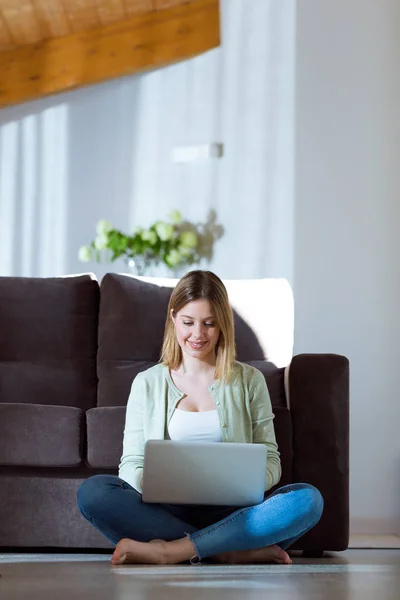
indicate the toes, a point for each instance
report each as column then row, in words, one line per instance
column 117, row 558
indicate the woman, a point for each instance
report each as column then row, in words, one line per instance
column 198, row 392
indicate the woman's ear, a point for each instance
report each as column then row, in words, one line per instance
column 172, row 315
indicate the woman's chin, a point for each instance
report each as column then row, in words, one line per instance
column 198, row 352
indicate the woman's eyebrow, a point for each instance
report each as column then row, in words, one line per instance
column 188, row 317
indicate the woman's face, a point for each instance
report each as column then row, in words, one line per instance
column 196, row 329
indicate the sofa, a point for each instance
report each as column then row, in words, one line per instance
column 69, row 350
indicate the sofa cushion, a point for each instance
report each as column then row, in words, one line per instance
column 131, row 328
column 105, row 431
column 40, row 436
column 48, row 340
column 131, row 325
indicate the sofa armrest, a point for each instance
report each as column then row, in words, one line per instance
column 319, row 405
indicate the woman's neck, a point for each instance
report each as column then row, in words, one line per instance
column 194, row 366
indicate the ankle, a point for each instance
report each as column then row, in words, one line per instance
column 226, row 558
column 179, row 551
column 164, row 553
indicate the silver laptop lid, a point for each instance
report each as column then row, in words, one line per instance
column 204, row 473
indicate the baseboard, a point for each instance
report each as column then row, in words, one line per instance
column 361, row 526
column 372, row 541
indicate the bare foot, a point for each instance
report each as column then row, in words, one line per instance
column 270, row 554
column 129, row 551
column 156, row 552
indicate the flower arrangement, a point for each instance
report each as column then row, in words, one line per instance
column 172, row 242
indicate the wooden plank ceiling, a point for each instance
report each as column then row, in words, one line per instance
column 47, row 46
column 29, row 21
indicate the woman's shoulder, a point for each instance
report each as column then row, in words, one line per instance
column 244, row 373
column 152, row 374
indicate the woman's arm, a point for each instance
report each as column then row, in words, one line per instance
column 131, row 465
column 263, row 426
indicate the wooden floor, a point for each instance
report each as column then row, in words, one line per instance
column 353, row 575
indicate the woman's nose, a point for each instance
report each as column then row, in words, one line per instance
column 198, row 331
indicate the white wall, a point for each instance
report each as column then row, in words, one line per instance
column 347, row 249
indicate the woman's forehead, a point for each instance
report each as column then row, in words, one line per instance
column 197, row 308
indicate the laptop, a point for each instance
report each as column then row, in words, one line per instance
column 204, row 473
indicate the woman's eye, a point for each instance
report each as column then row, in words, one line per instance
column 206, row 324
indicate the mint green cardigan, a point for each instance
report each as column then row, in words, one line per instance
column 243, row 405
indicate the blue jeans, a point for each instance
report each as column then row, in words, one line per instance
column 115, row 509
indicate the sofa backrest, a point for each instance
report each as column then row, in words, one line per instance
column 48, row 340
column 131, row 326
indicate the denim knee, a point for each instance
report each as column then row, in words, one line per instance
column 91, row 493
column 315, row 502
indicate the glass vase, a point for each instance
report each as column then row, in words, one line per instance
column 138, row 265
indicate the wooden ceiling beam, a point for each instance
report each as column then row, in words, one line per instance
column 146, row 41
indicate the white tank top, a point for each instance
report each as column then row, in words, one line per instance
column 186, row 426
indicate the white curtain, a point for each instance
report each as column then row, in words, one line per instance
column 33, row 192
column 106, row 152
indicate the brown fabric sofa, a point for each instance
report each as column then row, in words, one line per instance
column 69, row 351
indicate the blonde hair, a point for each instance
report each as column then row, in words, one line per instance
column 197, row 285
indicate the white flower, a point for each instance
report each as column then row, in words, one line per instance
column 103, row 227
column 173, row 258
column 165, row 231
column 149, row 236
column 85, row 253
column 175, row 217
column 188, row 239
column 185, row 252
column 101, row 241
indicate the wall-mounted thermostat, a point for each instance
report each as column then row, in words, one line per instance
column 184, row 154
